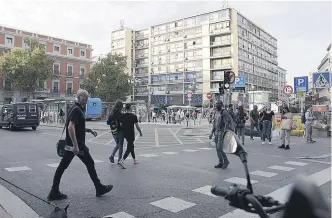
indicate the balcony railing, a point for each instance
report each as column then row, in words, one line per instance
column 222, row 42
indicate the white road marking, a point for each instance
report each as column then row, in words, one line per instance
column 99, row 161
column 206, row 148
column 98, row 136
column 170, row 152
column 301, row 164
column 156, row 137
column 174, row 135
column 281, row 195
column 200, row 140
column 189, row 150
column 53, row 165
column 148, row 155
column 110, row 142
column 239, row 180
column 206, row 190
column 17, row 169
column 176, row 132
column 275, row 167
column 263, row 173
column 119, row 215
column 49, row 134
column 173, row 204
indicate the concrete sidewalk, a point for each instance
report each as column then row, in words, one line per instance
column 12, row 206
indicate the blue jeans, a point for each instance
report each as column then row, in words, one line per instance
column 219, row 147
column 267, row 126
column 118, row 138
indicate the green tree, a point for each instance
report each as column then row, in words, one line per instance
column 28, row 68
column 107, row 79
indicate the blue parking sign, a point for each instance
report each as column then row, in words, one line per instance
column 301, row 84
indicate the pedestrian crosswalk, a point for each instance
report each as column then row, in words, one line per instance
column 176, row 203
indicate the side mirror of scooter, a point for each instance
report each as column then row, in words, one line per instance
column 232, row 145
column 306, row 201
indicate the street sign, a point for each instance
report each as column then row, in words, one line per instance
column 189, row 94
column 240, row 83
column 301, row 85
column 209, row 95
column 288, row 90
column 279, row 103
column 321, row 80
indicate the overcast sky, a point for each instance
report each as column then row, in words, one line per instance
column 303, row 29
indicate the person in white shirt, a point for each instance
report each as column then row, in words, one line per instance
column 308, row 125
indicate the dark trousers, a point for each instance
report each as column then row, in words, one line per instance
column 257, row 126
column 66, row 160
column 130, row 147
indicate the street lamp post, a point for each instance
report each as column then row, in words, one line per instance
column 253, row 95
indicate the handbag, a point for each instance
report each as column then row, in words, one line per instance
column 61, row 144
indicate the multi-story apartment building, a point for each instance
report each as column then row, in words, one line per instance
column 72, row 64
column 170, row 58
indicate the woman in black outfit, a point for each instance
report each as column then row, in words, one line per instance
column 114, row 120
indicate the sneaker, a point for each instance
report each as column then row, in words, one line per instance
column 111, row 159
column 287, row 147
column 103, row 189
column 263, row 143
column 121, row 164
column 225, row 165
column 219, row 165
column 251, row 138
column 282, row 147
column 270, row 143
column 242, row 143
column 135, row 161
column 56, row 196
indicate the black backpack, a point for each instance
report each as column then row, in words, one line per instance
column 303, row 119
column 114, row 124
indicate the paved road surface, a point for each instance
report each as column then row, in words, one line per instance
column 172, row 179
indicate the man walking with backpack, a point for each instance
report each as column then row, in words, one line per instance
column 222, row 122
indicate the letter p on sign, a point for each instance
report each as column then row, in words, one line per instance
column 300, row 82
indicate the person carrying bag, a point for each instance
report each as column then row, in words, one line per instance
column 286, row 127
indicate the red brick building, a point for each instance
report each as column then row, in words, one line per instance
column 72, row 64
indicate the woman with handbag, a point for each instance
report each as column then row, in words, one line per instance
column 286, row 127
column 240, row 121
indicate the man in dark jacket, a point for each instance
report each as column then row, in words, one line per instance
column 222, row 122
column 75, row 140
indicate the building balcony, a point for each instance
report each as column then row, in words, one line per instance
column 221, row 43
column 220, row 31
column 221, row 54
column 141, row 36
column 221, row 67
column 139, row 56
column 141, row 65
column 141, row 46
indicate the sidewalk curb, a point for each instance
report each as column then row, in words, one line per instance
column 14, row 206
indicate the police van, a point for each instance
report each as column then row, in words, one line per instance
column 19, row 115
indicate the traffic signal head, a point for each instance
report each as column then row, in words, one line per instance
column 227, row 77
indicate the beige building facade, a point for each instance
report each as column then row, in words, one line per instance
column 192, row 53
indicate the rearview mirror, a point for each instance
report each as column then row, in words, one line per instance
column 231, row 143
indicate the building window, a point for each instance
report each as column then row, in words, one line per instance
column 9, row 40
column 56, row 68
column 70, row 70
column 82, row 53
column 57, row 48
column 69, row 88
column 82, row 72
column 70, row 51
column 55, row 87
